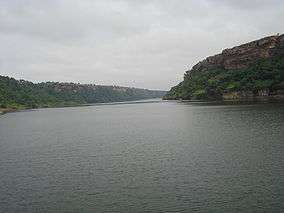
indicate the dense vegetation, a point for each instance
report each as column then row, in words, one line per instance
column 266, row 74
column 25, row 94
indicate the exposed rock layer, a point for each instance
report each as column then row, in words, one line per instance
column 244, row 55
column 251, row 70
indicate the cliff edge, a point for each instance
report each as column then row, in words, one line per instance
column 250, row 70
column 244, row 55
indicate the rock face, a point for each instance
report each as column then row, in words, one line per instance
column 251, row 70
column 244, row 55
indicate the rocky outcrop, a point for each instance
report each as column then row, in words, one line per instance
column 244, row 55
column 248, row 71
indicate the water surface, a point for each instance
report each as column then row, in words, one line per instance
column 143, row 157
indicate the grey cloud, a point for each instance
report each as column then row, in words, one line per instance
column 125, row 42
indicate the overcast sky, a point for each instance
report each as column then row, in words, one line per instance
column 137, row 43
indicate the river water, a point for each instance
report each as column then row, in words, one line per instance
column 153, row 156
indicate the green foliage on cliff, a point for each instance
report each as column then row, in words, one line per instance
column 266, row 74
column 25, row 94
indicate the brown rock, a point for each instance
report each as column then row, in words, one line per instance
column 244, row 55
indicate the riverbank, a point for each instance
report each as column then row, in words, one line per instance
column 240, row 96
column 9, row 110
column 249, row 95
column 6, row 110
column 54, row 105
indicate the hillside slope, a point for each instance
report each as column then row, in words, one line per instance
column 251, row 70
column 24, row 94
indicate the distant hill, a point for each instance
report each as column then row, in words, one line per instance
column 24, row 94
column 251, row 70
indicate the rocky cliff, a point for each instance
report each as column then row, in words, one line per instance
column 244, row 55
column 236, row 70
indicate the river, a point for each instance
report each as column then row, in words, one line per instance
column 149, row 156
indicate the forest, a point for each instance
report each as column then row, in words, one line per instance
column 17, row 94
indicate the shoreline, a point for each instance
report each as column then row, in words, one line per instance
column 267, row 99
column 272, row 98
column 10, row 110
